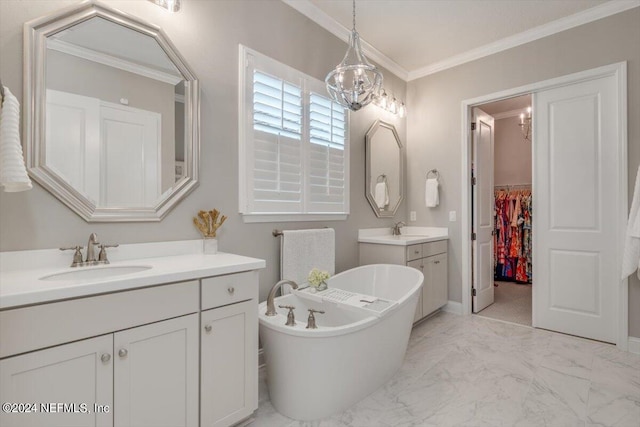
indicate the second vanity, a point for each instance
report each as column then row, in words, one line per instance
column 423, row 248
column 173, row 344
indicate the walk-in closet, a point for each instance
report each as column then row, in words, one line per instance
column 512, row 202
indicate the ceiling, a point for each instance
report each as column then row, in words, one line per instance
column 413, row 38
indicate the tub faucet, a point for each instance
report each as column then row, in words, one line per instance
column 291, row 317
column 91, row 253
column 311, row 322
column 271, row 309
column 395, row 230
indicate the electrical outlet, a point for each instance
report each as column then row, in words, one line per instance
column 412, row 216
column 452, row 216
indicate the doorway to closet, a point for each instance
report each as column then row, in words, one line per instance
column 503, row 174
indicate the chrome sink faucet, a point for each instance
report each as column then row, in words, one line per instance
column 395, row 230
column 91, row 253
column 271, row 309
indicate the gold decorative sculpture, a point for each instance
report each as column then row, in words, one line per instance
column 207, row 222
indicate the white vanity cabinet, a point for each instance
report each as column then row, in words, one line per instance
column 229, row 352
column 180, row 354
column 430, row 258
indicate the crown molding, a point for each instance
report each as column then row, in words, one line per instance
column 318, row 16
column 507, row 114
column 112, row 61
column 593, row 14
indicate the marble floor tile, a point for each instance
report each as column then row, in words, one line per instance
column 476, row 372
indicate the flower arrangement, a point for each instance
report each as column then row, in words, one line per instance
column 318, row 279
column 207, row 222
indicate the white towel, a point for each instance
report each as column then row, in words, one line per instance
column 431, row 196
column 303, row 250
column 13, row 173
column 382, row 194
column 631, row 256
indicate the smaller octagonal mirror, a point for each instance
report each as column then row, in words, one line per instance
column 384, row 169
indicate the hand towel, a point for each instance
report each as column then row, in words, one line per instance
column 631, row 255
column 382, row 194
column 431, row 196
column 303, row 250
column 13, row 173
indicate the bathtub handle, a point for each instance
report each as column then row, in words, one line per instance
column 291, row 318
column 311, row 321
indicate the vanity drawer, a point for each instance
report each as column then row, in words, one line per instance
column 31, row 328
column 434, row 248
column 224, row 290
column 414, row 252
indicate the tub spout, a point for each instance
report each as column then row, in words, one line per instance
column 271, row 309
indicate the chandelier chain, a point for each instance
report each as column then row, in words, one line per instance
column 354, row 15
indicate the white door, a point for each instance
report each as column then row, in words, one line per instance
column 577, row 154
column 483, row 207
column 130, row 171
column 80, row 372
column 229, row 364
column 156, row 374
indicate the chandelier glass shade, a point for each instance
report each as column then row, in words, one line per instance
column 355, row 82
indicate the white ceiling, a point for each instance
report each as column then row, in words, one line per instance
column 413, row 38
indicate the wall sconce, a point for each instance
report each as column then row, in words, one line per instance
column 525, row 124
column 390, row 104
column 170, row 5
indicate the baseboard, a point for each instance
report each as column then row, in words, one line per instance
column 260, row 357
column 634, row 345
column 453, row 307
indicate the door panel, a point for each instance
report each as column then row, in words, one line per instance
column 71, row 373
column 483, row 207
column 577, row 155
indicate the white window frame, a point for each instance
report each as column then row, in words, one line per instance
column 248, row 60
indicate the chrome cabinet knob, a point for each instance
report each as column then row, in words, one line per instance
column 123, row 352
column 105, row 358
column 231, row 290
column 208, row 328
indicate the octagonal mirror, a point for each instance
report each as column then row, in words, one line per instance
column 111, row 114
column 384, row 169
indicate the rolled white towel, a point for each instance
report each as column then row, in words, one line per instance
column 382, row 194
column 13, row 173
column 431, row 196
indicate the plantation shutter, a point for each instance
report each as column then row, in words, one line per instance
column 327, row 156
column 277, row 153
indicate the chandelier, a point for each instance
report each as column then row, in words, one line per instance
column 170, row 5
column 355, row 82
column 525, row 124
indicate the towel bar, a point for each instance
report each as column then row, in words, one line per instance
column 277, row 232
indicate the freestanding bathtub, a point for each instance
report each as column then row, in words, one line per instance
column 314, row 373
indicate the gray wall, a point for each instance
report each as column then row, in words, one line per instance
column 207, row 33
column 434, row 119
column 512, row 153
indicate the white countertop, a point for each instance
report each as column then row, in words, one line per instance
column 409, row 235
column 20, row 272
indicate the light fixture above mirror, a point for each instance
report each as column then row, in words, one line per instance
column 170, row 5
column 355, row 82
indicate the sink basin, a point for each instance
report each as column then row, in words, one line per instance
column 87, row 273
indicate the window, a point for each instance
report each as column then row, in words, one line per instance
column 294, row 145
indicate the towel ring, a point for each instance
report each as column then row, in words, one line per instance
column 434, row 172
column 381, row 178
column 1, row 93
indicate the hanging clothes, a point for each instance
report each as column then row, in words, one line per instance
column 512, row 236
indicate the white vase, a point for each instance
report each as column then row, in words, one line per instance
column 209, row 245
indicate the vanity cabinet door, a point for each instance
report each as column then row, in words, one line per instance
column 156, row 374
column 418, row 264
column 229, row 364
column 435, row 292
column 77, row 374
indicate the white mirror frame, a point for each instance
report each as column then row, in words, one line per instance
column 368, row 147
column 35, row 46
